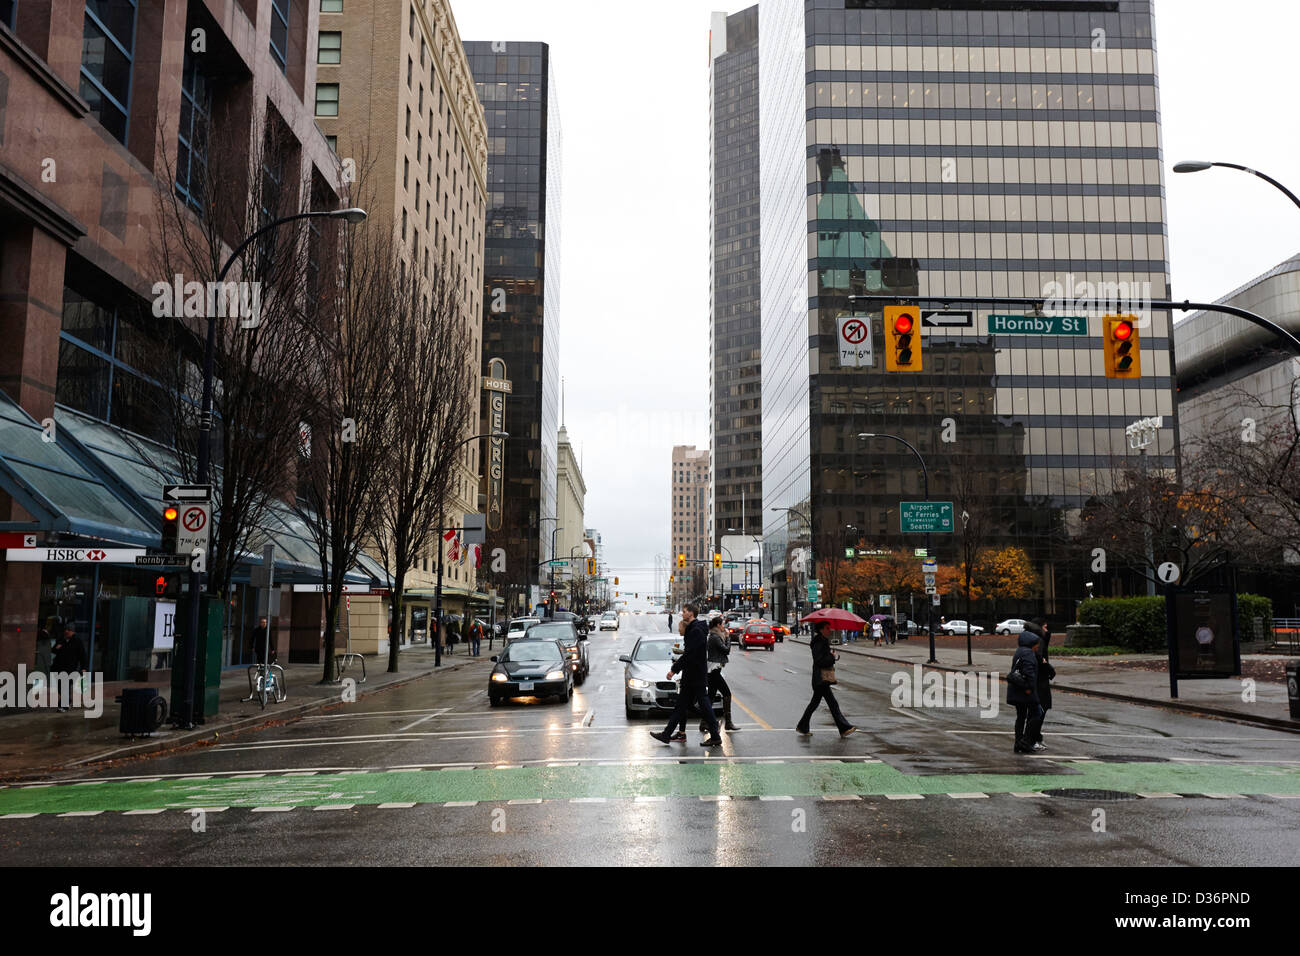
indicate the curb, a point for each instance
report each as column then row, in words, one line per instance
column 1272, row 723
column 192, row 738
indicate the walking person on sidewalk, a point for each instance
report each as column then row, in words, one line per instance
column 69, row 658
column 1024, row 696
column 694, row 666
column 1046, row 674
column 823, row 675
column 719, row 652
column 475, row 637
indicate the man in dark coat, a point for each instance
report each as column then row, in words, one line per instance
column 1046, row 674
column 719, row 653
column 823, row 658
column 69, row 658
column 1029, row 714
column 694, row 667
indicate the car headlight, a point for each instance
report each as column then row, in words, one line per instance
column 555, row 675
column 636, row 683
column 499, row 675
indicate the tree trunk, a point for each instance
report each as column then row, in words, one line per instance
column 399, row 617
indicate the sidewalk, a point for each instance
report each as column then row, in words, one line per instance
column 1101, row 677
column 39, row 742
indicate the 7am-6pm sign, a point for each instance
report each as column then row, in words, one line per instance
column 925, row 516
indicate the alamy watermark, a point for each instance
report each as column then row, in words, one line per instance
column 1108, row 298
column 922, row 688
column 38, row 690
column 198, row 300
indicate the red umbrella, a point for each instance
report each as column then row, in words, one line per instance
column 837, row 618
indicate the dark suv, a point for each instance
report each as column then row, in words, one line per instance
column 575, row 644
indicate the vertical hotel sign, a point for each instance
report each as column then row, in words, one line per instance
column 497, row 386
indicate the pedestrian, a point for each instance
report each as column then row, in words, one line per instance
column 260, row 643
column 823, row 676
column 475, row 637
column 69, row 657
column 451, row 637
column 694, row 665
column 877, row 632
column 670, row 621
column 719, row 652
column 1046, row 674
column 888, row 625
column 1022, row 692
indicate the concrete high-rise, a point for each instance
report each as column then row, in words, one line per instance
column 690, row 531
column 949, row 149
column 735, row 380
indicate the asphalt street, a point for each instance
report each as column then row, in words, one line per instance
column 427, row 773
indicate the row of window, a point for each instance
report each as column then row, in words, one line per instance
column 981, row 95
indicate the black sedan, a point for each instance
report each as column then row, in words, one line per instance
column 575, row 643
column 531, row 668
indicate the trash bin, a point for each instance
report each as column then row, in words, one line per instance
column 143, row 711
column 1293, row 688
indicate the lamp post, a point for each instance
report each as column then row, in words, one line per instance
column 437, row 593
column 925, row 478
column 1196, row 166
column 184, row 715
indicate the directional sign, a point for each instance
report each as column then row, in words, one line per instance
column 934, row 319
column 187, row 492
column 195, row 527
column 75, row 555
column 558, row 563
column 931, row 589
column 854, row 341
column 925, row 516
column 17, row 539
column 730, row 567
column 1038, row 324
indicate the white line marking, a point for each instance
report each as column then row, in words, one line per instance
column 1027, row 795
column 969, row 796
column 507, row 766
column 566, row 763
column 904, row 796
column 19, row 816
column 600, row 689
column 649, row 800
column 249, row 776
column 1225, row 796
column 909, row 713
column 840, row 796
column 519, row 803
column 143, row 813
column 461, row 803
column 335, row 806
column 1283, row 796
column 421, row 720
column 275, row 809
column 1161, row 796
column 82, row 813
column 771, row 761
column 206, row 809
column 769, row 799
column 586, row 799
column 721, row 798
column 395, row 806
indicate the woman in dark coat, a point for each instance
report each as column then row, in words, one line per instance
column 1029, row 714
column 823, row 658
column 1046, row 674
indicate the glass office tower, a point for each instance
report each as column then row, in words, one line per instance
column 736, row 380
column 948, row 148
column 521, row 299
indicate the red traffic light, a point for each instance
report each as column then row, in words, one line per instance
column 169, row 513
column 1122, row 331
column 160, row 585
column 903, row 324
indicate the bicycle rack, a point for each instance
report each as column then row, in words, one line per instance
column 281, row 691
column 342, row 661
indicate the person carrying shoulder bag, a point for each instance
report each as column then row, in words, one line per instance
column 1022, row 692
column 823, row 676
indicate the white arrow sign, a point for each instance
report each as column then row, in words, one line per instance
column 187, row 492
column 935, row 319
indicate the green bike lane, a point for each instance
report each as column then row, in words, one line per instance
column 818, row 778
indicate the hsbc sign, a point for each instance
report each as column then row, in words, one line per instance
column 74, row 555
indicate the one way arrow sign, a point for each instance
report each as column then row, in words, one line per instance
column 947, row 320
column 187, row 492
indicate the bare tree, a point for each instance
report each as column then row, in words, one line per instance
column 432, row 401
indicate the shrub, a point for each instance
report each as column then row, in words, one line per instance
column 1136, row 623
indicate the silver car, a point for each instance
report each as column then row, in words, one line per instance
column 646, row 687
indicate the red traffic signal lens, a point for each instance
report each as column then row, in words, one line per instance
column 903, row 324
column 1123, row 331
column 169, row 513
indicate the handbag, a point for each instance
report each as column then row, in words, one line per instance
column 1016, row 678
column 827, row 675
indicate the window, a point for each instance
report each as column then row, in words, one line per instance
column 192, row 138
column 280, row 33
column 410, row 26
column 8, row 8
column 107, row 51
column 329, row 48
column 406, row 174
column 409, row 67
column 331, row 6
column 327, row 99
column 333, row 143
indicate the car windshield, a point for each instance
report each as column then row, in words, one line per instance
column 553, row 632
column 609, row 615
column 532, row 651
column 653, row 651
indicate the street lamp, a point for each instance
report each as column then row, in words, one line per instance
column 184, row 715
column 925, row 478
column 1197, row 165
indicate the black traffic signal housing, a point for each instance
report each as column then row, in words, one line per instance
column 1123, row 352
column 167, row 586
column 170, row 529
column 902, row 339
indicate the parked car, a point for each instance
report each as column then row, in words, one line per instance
column 575, row 645
column 960, row 627
column 646, row 688
column 759, row 634
column 1012, row 625
column 530, row 668
column 609, row 621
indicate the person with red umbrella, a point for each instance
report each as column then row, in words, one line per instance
column 823, row 670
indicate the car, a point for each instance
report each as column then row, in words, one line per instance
column 530, row 668
column 646, row 687
column 577, row 620
column 779, row 630
column 566, row 632
column 735, row 627
column 518, row 626
column 758, row 633
column 1012, row 625
column 960, row 627
column 609, row 621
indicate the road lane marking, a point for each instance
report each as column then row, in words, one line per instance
column 273, row 809
column 519, row 803
column 586, row 799
column 1161, row 796
column 768, row 798
column 396, row 806
column 143, row 813
column 421, row 720
column 81, row 813
column 757, row 719
column 461, row 803
column 904, row 796
column 830, row 797
column 969, row 796
column 910, row 713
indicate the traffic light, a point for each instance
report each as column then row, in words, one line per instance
column 902, row 342
column 681, row 562
column 170, row 529
column 1123, row 353
column 717, row 560
column 167, row 586
column 591, row 565
column 616, row 582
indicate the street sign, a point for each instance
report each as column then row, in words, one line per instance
column 931, row 589
column 934, row 599
column 854, row 341
column 921, row 552
column 886, row 600
column 162, row 560
column 929, row 566
column 264, row 576
column 194, row 528
column 559, row 563
column 324, row 589
column 929, row 580
column 17, row 539
column 936, row 319
column 925, row 516
column 730, row 567
column 74, row 555
column 187, row 492
column 1038, row 324
column 475, row 526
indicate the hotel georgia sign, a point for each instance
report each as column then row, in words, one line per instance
column 497, row 386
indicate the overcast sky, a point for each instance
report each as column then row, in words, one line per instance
column 633, row 91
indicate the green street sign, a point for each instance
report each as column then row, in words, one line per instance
column 730, row 567
column 1038, row 324
column 814, row 591
column 925, row 516
column 558, row 564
